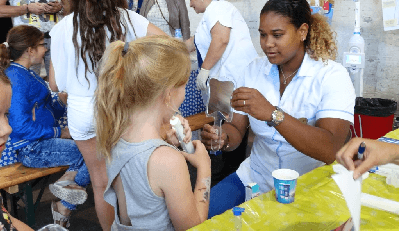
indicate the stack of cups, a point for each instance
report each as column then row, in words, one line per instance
column 285, row 183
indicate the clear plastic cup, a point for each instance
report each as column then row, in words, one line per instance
column 285, row 184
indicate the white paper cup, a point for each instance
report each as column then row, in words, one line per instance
column 284, row 184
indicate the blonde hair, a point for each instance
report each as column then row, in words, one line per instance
column 322, row 44
column 133, row 81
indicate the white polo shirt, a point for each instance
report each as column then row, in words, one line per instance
column 317, row 91
column 239, row 52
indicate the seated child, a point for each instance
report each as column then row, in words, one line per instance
column 7, row 222
column 37, row 137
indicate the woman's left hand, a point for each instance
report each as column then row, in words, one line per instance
column 171, row 137
column 252, row 102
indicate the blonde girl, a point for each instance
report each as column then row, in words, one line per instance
column 140, row 85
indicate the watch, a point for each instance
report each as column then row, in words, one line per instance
column 277, row 117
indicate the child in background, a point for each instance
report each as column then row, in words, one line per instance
column 7, row 222
column 39, row 140
column 140, row 86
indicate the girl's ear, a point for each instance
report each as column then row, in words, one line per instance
column 29, row 50
column 167, row 95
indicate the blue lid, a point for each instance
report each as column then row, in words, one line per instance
column 362, row 148
column 237, row 211
column 218, row 152
column 255, row 188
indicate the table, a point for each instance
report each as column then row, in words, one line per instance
column 318, row 205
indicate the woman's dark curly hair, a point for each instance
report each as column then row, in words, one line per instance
column 92, row 19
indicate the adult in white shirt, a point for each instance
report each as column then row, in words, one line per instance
column 222, row 40
column 298, row 102
column 74, row 37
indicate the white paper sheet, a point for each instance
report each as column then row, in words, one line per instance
column 390, row 14
column 351, row 190
column 380, row 203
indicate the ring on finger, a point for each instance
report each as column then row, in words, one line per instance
column 244, row 102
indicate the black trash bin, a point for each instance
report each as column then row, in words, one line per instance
column 373, row 117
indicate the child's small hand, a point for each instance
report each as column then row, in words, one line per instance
column 200, row 159
column 171, row 136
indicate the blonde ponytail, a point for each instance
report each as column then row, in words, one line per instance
column 133, row 81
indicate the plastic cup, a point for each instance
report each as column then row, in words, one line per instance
column 285, row 183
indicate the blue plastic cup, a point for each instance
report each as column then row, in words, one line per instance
column 284, row 184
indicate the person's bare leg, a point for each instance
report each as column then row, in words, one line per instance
column 99, row 180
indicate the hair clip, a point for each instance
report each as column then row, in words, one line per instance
column 125, row 48
column 6, row 44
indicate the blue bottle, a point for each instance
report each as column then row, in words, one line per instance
column 178, row 34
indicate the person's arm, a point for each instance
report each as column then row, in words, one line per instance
column 19, row 225
column 51, row 78
column 376, row 153
column 232, row 133
column 168, row 172
column 183, row 18
column 14, row 11
column 220, row 38
column 154, row 30
column 320, row 142
column 22, row 118
column 190, row 44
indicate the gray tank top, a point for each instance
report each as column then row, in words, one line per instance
column 146, row 210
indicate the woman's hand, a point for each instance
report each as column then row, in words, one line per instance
column 376, row 153
column 208, row 134
column 171, row 136
column 37, row 8
column 202, row 77
column 53, row 7
column 252, row 102
column 200, row 158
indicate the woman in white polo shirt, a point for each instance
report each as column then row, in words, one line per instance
column 224, row 45
column 298, row 102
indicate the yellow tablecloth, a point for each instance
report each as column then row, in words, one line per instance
column 318, row 205
column 393, row 134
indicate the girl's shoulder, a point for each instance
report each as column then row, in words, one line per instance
column 166, row 159
column 166, row 156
